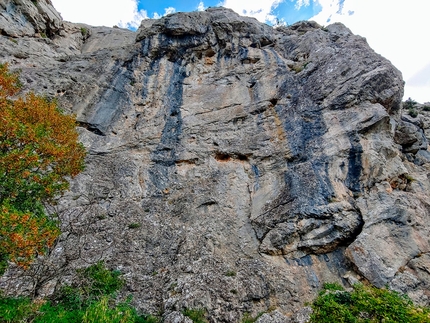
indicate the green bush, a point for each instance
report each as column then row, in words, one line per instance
column 84, row 31
column 230, row 273
column 50, row 313
column 90, row 299
column 409, row 104
column 101, row 312
column 102, row 281
column 16, row 309
column 365, row 304
column 413, row 113
column 91, row 285
column 197, row 315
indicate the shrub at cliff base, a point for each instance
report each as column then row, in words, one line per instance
column 90, row 299
column 365, row 304
column 39, row 151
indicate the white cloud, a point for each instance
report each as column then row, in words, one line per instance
column 123, row 13
column 301, row 3
column 201, row 6
column 395, row 29
column 262, row 10
column 168, row 11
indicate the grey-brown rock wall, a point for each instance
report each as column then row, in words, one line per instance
column 26, row 18
column 233, row 166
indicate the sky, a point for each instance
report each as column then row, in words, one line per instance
column 396, row 29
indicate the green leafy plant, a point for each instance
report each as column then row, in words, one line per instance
column 230, row 273
column 411, row 105
column 58, row 313
column 90, row 299
column 102, row 280
column 16, row 309
column 134, row 225
column 101, row 312
column 84, row 31
column 91, row 284
column 333, row 287
column 365, row 304
column 197, row 315
column 413, row 113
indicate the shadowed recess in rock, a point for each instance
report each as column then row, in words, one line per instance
column 112, row 101
column 165, row 154
column 354, row 164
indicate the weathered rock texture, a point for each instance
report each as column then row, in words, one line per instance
column 231, row 166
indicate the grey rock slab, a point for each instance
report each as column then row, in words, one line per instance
column 176, row 317
column 273, row 317
column 395, row 231
column 410, row 137
column 26, row 18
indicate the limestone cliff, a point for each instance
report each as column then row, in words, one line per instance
column 231, row 166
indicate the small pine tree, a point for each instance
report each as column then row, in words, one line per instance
column 409, row 104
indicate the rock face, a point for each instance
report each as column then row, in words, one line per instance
column 231, row 166
column 26, row 18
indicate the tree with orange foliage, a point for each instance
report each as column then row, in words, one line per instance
column 39, row 151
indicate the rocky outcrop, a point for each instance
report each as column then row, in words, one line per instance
column 26, row 18
column 231, row 166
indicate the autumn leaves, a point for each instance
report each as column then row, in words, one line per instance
column 39, row 151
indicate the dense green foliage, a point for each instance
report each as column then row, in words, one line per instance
column 365, row 304
column 91, row 285
column 197, row 315
column 91, row 299
column 39, row 152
